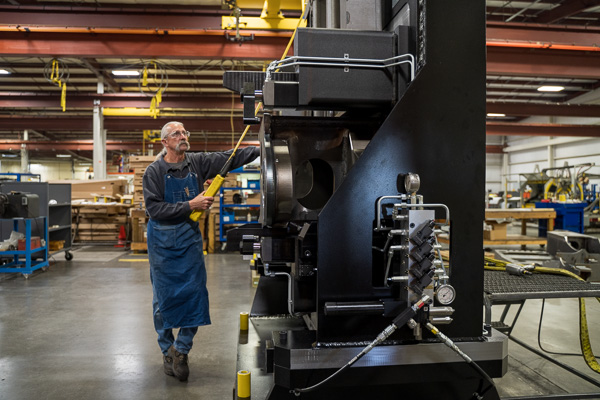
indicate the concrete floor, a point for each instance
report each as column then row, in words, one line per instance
column 83, row 330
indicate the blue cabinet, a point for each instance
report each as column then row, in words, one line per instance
column 569, row 217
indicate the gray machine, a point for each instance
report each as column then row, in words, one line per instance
column 19, row 205
column 369, row 141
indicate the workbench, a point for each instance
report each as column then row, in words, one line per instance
column 523, row 214
column 515, row 213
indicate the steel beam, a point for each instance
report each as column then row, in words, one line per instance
column 548, row 35
column 98, row 18
column 550, row 109
column 567, row 9
column 82, row 100
column 193, row 124
column 494, row 149
column 87, row 145
column 156, row 45
column 513, row 129
column 543, row 63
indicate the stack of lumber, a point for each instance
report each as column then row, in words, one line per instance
column 90, row 189
column 99, row 222
column 139, row 164
column 139, row 222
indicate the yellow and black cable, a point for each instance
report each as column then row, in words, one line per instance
column 584, row 335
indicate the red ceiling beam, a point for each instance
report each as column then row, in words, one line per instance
column 514, row 129
column 543, row 63
column 88, row 145
column 205, row 46
column 567, row 9
column 196, row 125
column 494, row 149
column 32, row 100
column 550, row 109
column 99, row 18
column 545, row 35
column 193, row 124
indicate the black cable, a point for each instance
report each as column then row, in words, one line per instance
column 540, row 335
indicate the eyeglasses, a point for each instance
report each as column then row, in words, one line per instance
column 178, row 134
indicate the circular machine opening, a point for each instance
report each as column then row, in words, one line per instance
column 313, row 183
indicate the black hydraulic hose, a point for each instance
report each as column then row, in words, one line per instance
column 539, row 336
column 399, row 321
column 448, row 342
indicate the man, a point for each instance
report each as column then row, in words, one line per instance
column 172, row 191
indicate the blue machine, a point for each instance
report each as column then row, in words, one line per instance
column 569, row 217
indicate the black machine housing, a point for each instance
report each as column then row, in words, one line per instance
column 324, row 174
column 19, row 205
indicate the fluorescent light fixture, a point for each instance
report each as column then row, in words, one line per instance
column 9, row 155
column 123, row 72
column 4, row 72
column 496, row 115
column 64, row 155
column 550, row 88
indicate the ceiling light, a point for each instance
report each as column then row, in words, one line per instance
column 550, row 88
column 122, row 72
column 64, row 155
column 9, row 155
column 4, row 72
column 496, row 115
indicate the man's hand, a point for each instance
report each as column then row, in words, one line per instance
column 200, row 202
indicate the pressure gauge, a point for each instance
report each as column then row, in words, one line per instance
column 445, row 294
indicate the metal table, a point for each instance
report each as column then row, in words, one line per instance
column 502, row 288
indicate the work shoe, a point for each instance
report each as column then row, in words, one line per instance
column 180, row 364
column 168, row 365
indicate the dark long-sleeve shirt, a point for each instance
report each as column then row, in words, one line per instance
column 205, row 165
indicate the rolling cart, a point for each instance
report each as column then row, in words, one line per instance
column 27, row 260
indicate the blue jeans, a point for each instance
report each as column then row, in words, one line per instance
column 185, row 337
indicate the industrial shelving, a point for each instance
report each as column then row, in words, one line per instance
column 58, row 213
column 228, row 218
column 59, row 217
column 19, row 175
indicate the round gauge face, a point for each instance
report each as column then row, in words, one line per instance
column 445, row 294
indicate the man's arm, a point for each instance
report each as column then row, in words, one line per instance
column 157, row 208
column 209, row 165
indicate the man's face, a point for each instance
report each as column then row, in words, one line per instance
column 177, row 139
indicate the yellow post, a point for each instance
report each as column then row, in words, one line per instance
column 243, row 384
column 243, row 321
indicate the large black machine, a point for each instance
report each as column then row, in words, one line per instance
column 19, row 205
column 370, row 142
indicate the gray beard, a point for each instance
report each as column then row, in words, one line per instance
column 178, row 147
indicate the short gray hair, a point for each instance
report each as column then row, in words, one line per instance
column 163, row 134
column 165, row 129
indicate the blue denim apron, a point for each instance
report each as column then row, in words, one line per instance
column 177, row 268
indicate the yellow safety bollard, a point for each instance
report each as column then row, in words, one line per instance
column 243, row 384
column 243, row 321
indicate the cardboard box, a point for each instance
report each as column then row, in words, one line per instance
column 495, row 230
column 253, row 198
column 86, row 189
